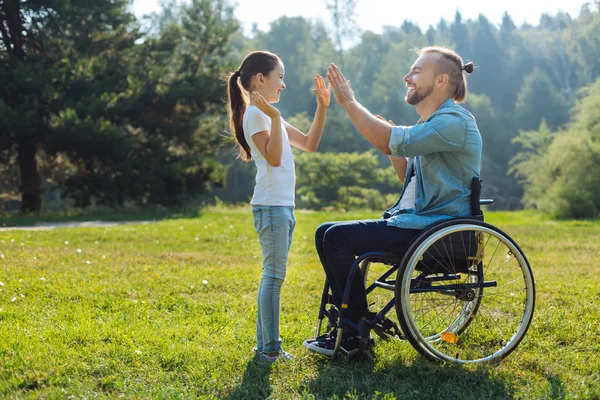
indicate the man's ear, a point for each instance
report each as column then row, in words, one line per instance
column 442, row 79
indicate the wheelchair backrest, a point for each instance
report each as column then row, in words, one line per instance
column 456, row 252
column 476, row 185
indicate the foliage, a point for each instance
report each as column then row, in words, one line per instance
column 136, row 115
column 345, row 181
column 496, row 133
column 561, row 169
column 540, row 99
column 343, row 18
column 137, row 119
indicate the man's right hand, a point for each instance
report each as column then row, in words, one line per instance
column 383, row 119
column 342, row 89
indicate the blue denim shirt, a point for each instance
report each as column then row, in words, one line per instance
column 445, row 152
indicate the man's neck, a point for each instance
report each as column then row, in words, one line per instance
column 429, row 106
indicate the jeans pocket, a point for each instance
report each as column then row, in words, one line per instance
column 258, row 218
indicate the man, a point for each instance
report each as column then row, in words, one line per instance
column 444, row 154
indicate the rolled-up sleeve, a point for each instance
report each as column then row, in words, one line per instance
column 443, row 132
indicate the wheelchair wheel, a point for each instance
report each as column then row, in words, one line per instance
column 465, row 293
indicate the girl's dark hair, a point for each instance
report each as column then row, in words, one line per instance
column 454, row 67
column 262, row 62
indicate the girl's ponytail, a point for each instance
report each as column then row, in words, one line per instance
column 237, row 107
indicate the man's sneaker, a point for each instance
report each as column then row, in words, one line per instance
column 326, row 344
column 321, row 345
column 283, row 356
column 324, row 338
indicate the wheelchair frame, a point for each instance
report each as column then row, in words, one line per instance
column 463, row 270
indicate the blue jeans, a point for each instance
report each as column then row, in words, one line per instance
column 275, row 227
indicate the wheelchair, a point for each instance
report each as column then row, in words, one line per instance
column 463, row 292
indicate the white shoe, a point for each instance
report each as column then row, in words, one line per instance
column 283, row 356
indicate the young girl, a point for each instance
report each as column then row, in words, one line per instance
column 264, row 136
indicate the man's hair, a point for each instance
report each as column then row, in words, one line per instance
column 452, row 64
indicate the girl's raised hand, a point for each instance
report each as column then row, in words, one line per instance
column 263, row 105
column 323, row 93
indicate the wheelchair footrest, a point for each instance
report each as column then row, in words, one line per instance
column 386, row 328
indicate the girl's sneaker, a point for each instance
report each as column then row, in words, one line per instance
column 283, row 356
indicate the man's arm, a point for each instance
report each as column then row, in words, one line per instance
column 445, row 132
column 399, row 164
column 376, row 131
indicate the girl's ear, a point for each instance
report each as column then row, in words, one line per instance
column 260, row 79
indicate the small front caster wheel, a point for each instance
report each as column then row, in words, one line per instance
column 359, row 356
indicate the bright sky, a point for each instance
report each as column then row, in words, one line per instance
column 374, row 14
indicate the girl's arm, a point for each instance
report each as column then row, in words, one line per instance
column 310, row 141
column 269, row 143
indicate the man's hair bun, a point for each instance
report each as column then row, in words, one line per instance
column 468, row 67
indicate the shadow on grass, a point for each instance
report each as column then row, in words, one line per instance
column 418, row 379
column 255, row 382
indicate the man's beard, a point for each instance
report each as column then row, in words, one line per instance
column 416, row 97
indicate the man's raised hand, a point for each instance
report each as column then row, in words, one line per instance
column 342, row 90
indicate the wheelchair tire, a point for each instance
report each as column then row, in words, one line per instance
column 464, row 293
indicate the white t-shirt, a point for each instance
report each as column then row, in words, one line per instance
column 274, row 185
column 408, row 198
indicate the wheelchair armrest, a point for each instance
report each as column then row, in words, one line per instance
column 485, row 201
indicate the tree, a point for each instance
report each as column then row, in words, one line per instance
column 344, row 23
column 36, row 36
column 589, row 42
column 460, row 36
column 561, row 170
column 517, row 63
column 496, row 133
column 540, row 99
column 137, row 120
column 294, row 41
column 490, row 76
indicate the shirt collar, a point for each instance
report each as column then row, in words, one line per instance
column 445, row 104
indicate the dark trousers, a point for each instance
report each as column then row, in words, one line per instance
column 338, row 244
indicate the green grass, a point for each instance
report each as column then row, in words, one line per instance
column 167, row 310
column 14, row 219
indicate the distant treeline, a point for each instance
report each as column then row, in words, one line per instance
column 100, row 108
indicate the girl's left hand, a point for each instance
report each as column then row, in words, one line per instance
column 323, row 93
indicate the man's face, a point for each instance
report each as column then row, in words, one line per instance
column 420, row 79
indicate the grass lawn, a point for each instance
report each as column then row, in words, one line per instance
column 167, row 310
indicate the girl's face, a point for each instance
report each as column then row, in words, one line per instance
column 271, row 86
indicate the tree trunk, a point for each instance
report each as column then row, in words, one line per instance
column 30, row 179
column 15, row 47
